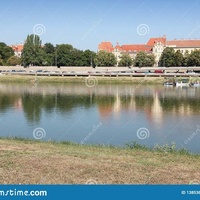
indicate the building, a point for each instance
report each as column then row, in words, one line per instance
column 154, row 46
column 18, row 49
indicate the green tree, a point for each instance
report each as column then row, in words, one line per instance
column 126, row 60
column 194, row 58
column 150, row 60
column 142, row 59
column 13, row 61
column 88, row 58
column 104, row 58
column 186, row 59
column 5, row 52
column 178, row 58
column 167, row 58
column 49, row 54
column 1, row 61
column 32, row 53
column 64, row 55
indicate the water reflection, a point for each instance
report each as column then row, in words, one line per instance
column 154, row 101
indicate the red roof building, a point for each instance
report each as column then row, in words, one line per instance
column 154, row 46
column 18, row 49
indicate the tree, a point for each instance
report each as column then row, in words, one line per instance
column 167, row 57
column 142, row 59
column 49, row 54
column 1, row 61
column 186, row 59
column 126, row 60
column 178, row 58
column 194, row 58
column 13, row 61
column 5, row 52
column 32, row 53
column 64, row 55
column 88, row 58
column 150, row 60
column 104, row 58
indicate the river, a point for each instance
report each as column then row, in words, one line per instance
column 108, row 114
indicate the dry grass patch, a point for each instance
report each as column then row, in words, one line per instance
column 29, row 162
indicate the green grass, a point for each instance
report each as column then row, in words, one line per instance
column 101, row 80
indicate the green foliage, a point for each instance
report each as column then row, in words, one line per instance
column 186, row 57
column 135, row 145
column 5, row 53
column 13, row 61
column 194, row 58
column 178, row 58
column 67, row 55
column 167, row 58
column 49, row 54
column 142, row 59
column 1, row 61
column 104, row 58
column 171, row 58
column 32, row 53
column 126, row 60
column 166, row 148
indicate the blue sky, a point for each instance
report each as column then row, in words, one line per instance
column 85, row 23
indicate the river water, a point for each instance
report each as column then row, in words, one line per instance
column 104, row 114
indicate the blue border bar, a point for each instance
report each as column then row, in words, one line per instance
column 104, row 192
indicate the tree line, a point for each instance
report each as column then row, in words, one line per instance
column 36, row 54
column 170, row 58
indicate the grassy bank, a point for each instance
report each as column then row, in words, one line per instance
column 32, row 162
column 60, row 79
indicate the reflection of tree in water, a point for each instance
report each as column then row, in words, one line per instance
column 126, row 101
column 32, row 106
column 175, row 104
column 7, row 100
column 105, row 104
column 142, row 102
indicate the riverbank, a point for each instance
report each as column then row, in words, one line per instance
column 91, row 81
column 33, row 162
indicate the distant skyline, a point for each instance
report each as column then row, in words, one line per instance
column 86, row 23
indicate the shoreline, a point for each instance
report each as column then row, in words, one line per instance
column 35, row 162
column 100, row 80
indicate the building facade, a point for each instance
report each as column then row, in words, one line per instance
column 154, row 46
column 18, row 48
